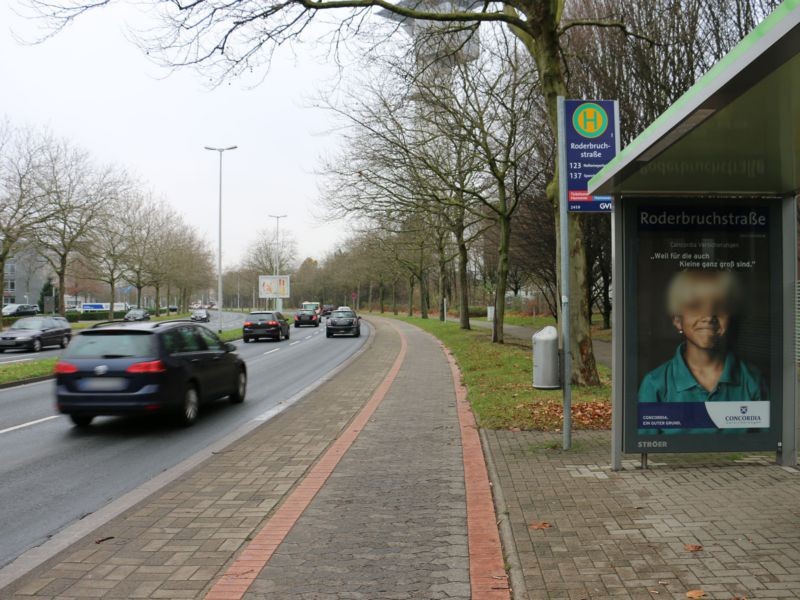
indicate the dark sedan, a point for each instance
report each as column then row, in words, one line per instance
column 306, row 317
column 137, row 314
column 167, row 367
column 343, row 321
column 265, row 324
column 33, row 333
column 201, row 315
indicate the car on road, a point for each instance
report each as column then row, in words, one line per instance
column 315, row 306
column 20, row 310
column 265, row 324
column 327, row 309
column 306, row 317
column 343, row 321
column 201, row 315
column 165, row 368
column 137, row 314
column 34, row 333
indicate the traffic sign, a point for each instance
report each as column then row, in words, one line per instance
column 591, row 128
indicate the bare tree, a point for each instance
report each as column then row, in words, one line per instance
column 77, row 195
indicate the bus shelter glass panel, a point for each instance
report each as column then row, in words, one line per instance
column 703, row 337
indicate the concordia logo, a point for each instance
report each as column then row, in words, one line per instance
column 590, row 120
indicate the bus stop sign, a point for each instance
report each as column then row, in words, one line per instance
column 592, row 138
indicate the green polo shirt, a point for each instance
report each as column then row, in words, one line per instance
column 674, row 382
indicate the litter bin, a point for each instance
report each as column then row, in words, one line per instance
column 546, row 372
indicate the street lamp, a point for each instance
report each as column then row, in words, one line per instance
column 219, row 248
column 278, row 301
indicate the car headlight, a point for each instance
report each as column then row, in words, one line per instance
column 24, row 339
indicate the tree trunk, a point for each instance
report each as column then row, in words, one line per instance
column 2, row 288
column 423, row 297
column 394, row 297
column 411, row 296
column 606, row 302
column 139, row 295
column 369, row 296
column 463, row 282
column 442, row 291
column 112, row 299
column 62, row 277
column 158, row 300
column 502, row 279
column 382, row 295
column 546, row 52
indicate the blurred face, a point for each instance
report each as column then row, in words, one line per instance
column 704, row 315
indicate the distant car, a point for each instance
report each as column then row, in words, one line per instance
column 162, row 367
column 34, row 333
column 343, row 321
column 327, row 309
column 265, row 324
column 137, row 314
column 173, row 308
column 306, row 317
column 344, row 308
column 20, row 310
column 202, row 315
column 315, row 306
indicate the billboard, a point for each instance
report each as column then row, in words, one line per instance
column 703, row 338
column 591, row 141
column 273, row 286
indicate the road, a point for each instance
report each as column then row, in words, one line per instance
column 229, row 321
column 53, row 473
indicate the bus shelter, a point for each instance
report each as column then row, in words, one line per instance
column 705, row 259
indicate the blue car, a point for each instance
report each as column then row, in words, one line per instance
column 165, row 368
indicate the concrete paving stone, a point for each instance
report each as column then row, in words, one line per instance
column 629, row 530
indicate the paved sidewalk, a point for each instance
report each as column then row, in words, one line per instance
column 337, row 500
column 622, row 535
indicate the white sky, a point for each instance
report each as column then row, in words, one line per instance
column 93, row 86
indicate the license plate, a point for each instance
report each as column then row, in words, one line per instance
column 103, row 384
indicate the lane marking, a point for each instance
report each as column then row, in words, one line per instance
column 294, row 343
column 487, row 573
column 6, row 362
column 240, row 575
column 270, row 351
column 28, row 424
column 308, row 337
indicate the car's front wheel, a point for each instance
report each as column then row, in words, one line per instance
column 237, row 397
column 81, row 420
column 190, row 406
column 358, row 332
column 64, row 341
column 246, row 340
column 36, row 346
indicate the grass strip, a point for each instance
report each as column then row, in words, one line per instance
column 498, row 379
column 19, row 372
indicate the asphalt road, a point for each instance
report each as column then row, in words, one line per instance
column 53, row 474
column 229, row 321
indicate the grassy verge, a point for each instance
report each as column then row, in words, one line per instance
column 231, row 335
column 498, row 378
column 22, row 371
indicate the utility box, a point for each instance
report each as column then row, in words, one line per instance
column 546, row 371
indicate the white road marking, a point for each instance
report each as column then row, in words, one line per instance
column 294, row 343
column 308, row 337
column 6, row 362
column 28, row 424
column 271, row 351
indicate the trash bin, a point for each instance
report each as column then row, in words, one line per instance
column 546, row 371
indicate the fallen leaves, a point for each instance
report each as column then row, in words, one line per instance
column 548, row 415
column 692, row 547
column 540, row 525
column 695, row 594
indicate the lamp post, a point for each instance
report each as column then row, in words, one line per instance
column 278, row 301
column 219, row 247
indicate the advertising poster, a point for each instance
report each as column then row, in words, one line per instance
column 273, row 286
column 703, row 329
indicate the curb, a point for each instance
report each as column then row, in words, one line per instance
column 21, row 382
column 71, row 534
column 519, row 589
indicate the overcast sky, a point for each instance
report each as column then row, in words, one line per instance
column 92, row 85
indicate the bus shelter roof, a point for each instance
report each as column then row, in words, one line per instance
column 736, row 132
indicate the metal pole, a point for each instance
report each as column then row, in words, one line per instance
column 564, row 230
column 219, row 245
column 278, row 301
column 219, row 252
